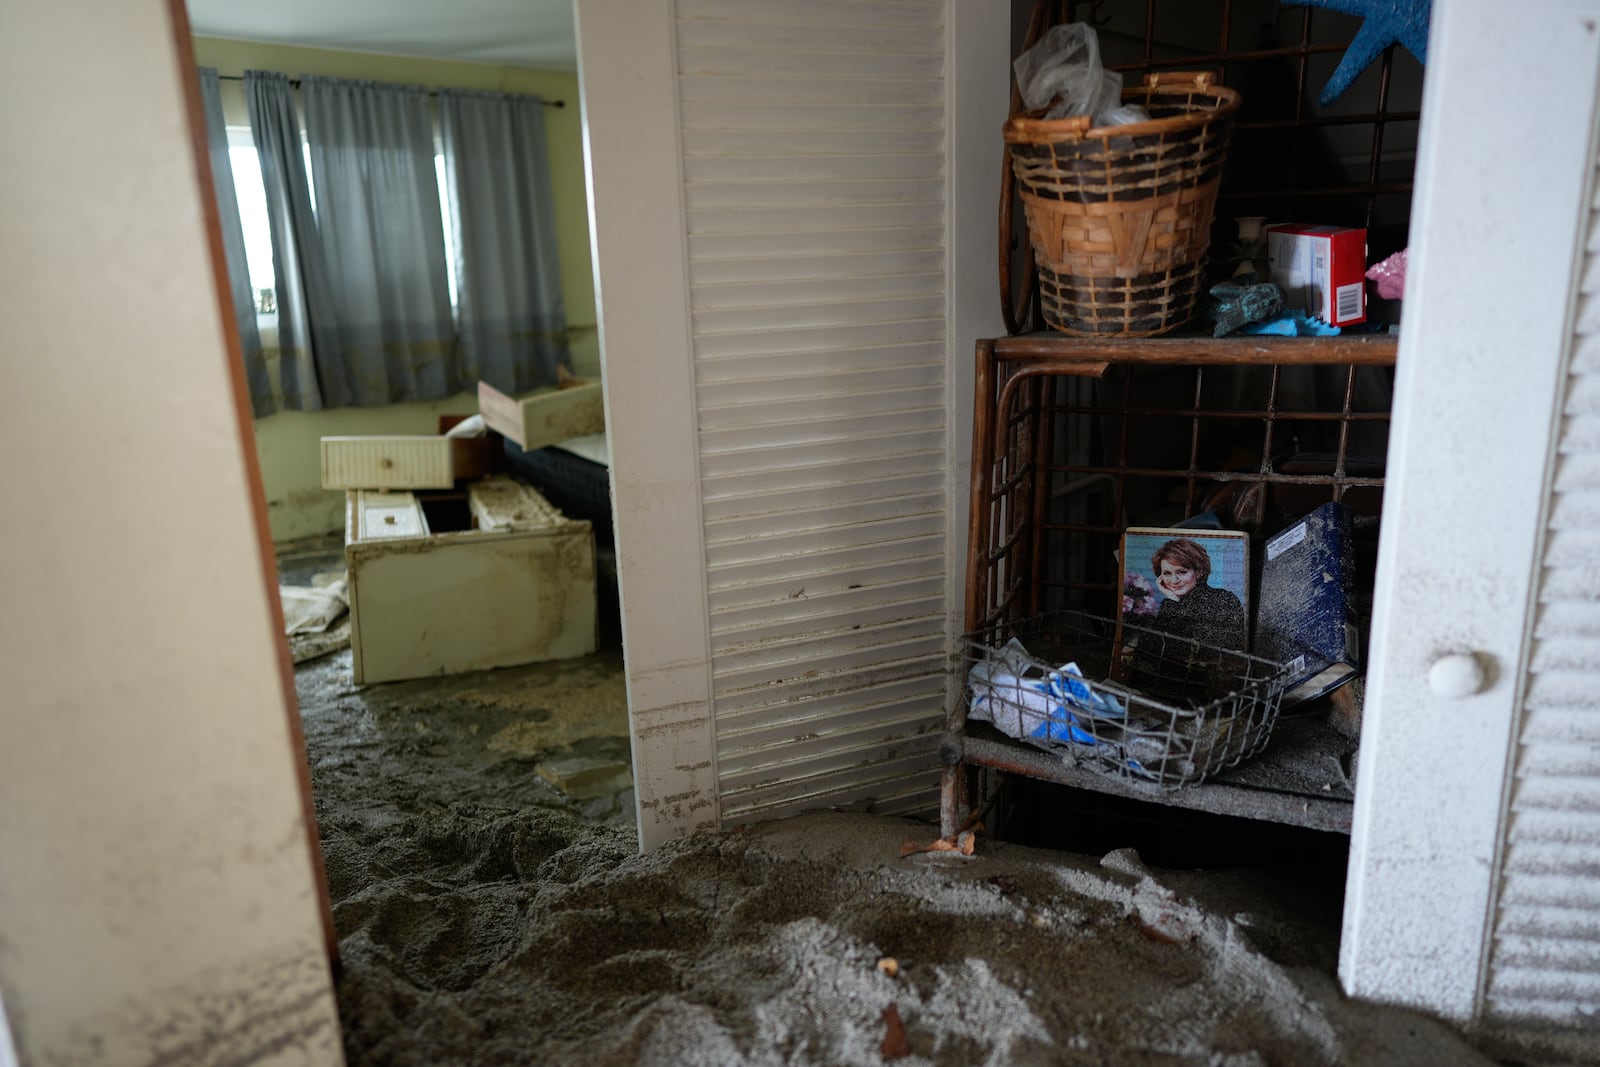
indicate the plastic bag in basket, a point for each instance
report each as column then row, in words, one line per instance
column 1006, row 690
column 1065, row 64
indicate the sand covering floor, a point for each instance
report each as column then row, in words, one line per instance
column 486, row 918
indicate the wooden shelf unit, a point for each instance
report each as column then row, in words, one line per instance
column 1075, row 439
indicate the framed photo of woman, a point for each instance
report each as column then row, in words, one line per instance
column 1192, row 585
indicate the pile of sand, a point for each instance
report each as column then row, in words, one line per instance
column 484, row 917
column 482, row 936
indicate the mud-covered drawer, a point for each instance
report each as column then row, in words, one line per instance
column 443, row 583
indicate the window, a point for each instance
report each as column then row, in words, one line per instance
column 252, row 197
column 449, row 227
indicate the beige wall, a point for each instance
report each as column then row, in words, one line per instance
column 158, row 901
column 287, row 443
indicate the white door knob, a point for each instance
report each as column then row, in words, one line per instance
column 1457, row 675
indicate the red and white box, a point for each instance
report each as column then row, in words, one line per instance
column 1322, row 270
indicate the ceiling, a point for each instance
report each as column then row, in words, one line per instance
column 514, row 33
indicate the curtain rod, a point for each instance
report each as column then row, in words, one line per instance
column 431, row 92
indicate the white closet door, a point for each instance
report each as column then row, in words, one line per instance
column 813, row 140
column 788, row 385
column 1544, row 960
column 1477, row 818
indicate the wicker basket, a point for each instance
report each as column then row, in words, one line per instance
column 1120, row 216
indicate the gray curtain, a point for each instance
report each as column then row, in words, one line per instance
column 513, row 323
column 244, row 304
column 307, row 322
column 378, row 217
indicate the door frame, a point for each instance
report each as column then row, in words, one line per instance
column 163, row 883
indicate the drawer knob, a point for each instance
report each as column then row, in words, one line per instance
column 1458, row 675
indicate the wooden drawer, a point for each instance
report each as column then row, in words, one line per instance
column 424, row 602
column 402, row 461
column 406, row 461
column 544, row 416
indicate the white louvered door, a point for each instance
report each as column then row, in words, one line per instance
column 1476, row 844
column 798, row 335
column 814, row 182
column 1544, row 960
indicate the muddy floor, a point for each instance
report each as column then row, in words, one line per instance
column 492, row 909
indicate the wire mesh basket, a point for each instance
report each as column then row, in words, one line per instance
column 1126, row 700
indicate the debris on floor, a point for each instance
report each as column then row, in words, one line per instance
column 496, row 936
column 585, row 777
column 488, row 912
column 316, row 617
column 963, row 842
column 307, row 647
column 596, row 776
column 312, row 609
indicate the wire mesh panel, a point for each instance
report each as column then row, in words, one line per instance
column 1070, row 450
column 1296, row 154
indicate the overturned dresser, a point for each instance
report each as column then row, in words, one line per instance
column 443, row 582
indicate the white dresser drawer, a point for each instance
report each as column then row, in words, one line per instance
column 424, row 602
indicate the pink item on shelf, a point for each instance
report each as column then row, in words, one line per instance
column 1390, row 276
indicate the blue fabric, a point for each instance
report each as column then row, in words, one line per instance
column 512, row 318
column 1069, row 691
column 1069, row 686
column 1295, row 323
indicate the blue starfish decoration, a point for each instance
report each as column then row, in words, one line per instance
column 1386, row 22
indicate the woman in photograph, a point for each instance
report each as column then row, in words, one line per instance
column 1192, row 608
